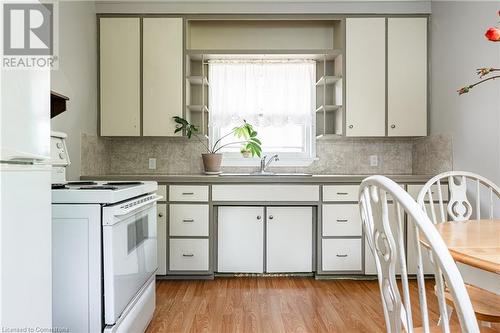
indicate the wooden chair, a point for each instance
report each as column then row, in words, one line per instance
column 464, row 186
column 375, row 193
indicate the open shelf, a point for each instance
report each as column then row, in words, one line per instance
column 328, row 108
column 327, row 80
column 198, row 80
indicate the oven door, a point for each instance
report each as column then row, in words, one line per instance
column 129, row 250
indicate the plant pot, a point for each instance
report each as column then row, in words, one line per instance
column 212, row 162
column 246, row 153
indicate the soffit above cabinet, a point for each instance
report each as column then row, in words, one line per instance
column 273, row 35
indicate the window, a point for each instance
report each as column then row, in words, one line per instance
column 276, row 97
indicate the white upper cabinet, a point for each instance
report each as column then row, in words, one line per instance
column 365, row 76
column 120, row 75
column 162, row 75
column 119, row 45
column 407, row 76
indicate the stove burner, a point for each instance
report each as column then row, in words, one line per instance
column 100, row 187
column 59, row 186
column 82, row 183
column 124, row 183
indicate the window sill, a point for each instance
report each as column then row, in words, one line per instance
column 255, row 162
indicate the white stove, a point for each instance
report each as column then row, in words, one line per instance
column 103, row 250
column 100, row 192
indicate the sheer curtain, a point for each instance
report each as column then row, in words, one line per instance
column 262, row 92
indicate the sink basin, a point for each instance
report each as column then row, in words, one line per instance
column 258, row 174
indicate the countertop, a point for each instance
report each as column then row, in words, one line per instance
column 240, row 178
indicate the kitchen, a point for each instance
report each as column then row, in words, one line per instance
column 208, row 148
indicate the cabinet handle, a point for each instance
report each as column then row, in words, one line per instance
column 160, row 214
column 342, row 193
column 188, row 255
column 351, row 126
column 342, row 220
column 271, row 217
column 259, row 217
column 393, row 126
column 187, row 193
column 341, row 255
column 188, row 220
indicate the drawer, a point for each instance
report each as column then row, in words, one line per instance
column 341, row 220
column 188, row 193
column 189, row 254
column 162, row 190
column 341, row 254
column 414, row 190
column 188, row 220
column 341, row 193
column 261, row 193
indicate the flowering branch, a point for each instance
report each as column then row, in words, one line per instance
column 493, row 35
column 466, row 89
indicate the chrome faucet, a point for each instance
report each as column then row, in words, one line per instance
column 264, row 163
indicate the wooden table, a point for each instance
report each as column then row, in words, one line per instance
column 475, row 246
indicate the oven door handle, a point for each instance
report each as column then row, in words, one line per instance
column 125, row 211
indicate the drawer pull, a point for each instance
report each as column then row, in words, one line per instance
column 342, row 220
column 187, row 193
column 341, row 255
column 188, row 220
column 188, row 255
column 342, row 193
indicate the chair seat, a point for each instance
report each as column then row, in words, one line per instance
column 485, row 303
column 453, row 329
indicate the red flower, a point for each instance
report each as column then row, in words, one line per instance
column 493, row 34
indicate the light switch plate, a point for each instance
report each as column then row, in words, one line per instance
column 373, row 160
column 152, row 163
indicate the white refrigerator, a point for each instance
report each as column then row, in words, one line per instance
column 25, row 200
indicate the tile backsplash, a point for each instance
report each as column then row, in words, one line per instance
column 337, row 155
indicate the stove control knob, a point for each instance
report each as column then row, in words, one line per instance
column 59, row 145
column 61, row 156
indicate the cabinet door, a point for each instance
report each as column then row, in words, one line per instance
column 407, row 76
column 240, row 242
column 119, row 49
column 161, row 238
column 365, row 77
column 162, row 75
column 289, row 239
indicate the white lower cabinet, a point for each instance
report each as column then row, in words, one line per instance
column 243, row 231
column 189, row 255
column 161, row 239
column 341, row 254
column 289, row 239
column 240, row 241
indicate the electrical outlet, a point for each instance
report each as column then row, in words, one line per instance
column 152, row 163
column 373, row 160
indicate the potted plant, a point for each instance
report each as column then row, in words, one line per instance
column 245, row 134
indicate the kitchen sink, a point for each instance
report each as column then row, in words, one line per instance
column 266, row 174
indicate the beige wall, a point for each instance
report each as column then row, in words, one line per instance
column 473, row 120
column 76, row 76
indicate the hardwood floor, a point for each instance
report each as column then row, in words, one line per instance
column 274, row 305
